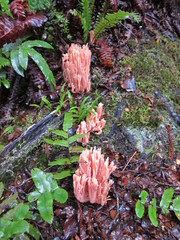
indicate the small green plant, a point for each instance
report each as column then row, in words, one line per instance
column 46, row 191
column 4, row 8
column 79, row 113
column 13, row 223
column 44, row 102
column 85, row 108
column 4, row 62
column 103, row 23
column 37, row 5
column 65, row 141
column 58, row 18
column 63, row 99
column 19, row 52
column 85, row 16
column 111, row 20
column 164, row 205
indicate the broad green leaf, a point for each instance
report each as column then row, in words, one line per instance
column 33, row 196
column 62, row 174
column 45, row 206
column 36, row 43
column 16, row 227
column 139, row 209
column 8, row 203
column 21, row 212
column 15, row 62
column 29, row 215
column 43, row 66
column 76, row 149
column 23, row 58
column 75, row 158
column 52, row 182
column 1, row 189
column 143, row 196
column 61, row 143
column 49, row 141
column 60, row 161
column 68, row 121
column 75, row 137
column 4, row 223
column 34, row 232
column 176, row 207
column 60, row 195
column 152, row 212
column 166, row 199
column 6, row 83
column 40, row 181
column 60, row 133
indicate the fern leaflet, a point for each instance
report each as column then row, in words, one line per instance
column 110, row 20
column 37, row 5
column 86, row 16
column 4, row 62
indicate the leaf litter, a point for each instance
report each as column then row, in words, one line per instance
column 116, row 220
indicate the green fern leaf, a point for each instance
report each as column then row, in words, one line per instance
column 37, row 5
column 43, row 66
column 15, row 62
column 4, row 62
column 23, row 57
column 36, row 43
column 110, row 20
column 4, row 7
column 86, row 16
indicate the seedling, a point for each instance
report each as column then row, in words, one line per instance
column 164, row 205
column 46, row 191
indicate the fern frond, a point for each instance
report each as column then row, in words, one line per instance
column 4, row 62
column 110, row 20
column 37, row 5
column 86, row 16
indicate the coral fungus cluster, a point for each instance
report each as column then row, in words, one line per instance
column 76, row 68
column 94, row 123
column 90, row 180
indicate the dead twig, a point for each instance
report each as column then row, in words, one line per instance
column 171, row 147
column 129, row 161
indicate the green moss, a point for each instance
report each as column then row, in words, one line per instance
column 140, row 113
column 156, row 65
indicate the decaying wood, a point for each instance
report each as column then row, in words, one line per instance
column 14, row 154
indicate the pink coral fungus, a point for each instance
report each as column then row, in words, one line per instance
column 94, row 123
column 90, row 180
column 76, row 68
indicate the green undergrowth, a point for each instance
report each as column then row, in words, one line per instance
column 156, row 65
column 140, row 112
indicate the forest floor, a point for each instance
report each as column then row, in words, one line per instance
column 140, row 91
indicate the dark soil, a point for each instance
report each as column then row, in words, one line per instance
column 140, row 90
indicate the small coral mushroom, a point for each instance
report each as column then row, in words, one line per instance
column 76, row 68
column 94, row 123
column 90, row 180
